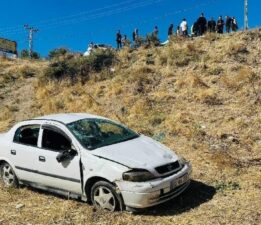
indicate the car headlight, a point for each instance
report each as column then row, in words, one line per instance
column 138, row 175
column 183, row 161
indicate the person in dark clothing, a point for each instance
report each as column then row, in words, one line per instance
column 195, row 29
column 156, row 31
column 234, row 24
column 220, row 25
column 228, row 24
column 119, row 39
column 170, row 30
column 135, row 34
column 202, row 24
column 135, row 37
column 212, row 25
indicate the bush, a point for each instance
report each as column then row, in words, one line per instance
column 100, row 59
column 25, row 55
column 152, row 40
column 58, row 52
column 75, row 66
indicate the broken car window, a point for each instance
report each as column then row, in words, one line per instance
column 97, row 133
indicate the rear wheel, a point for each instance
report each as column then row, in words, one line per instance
column 8, row 176
column 104, row 195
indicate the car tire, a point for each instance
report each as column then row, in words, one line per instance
column 8, row 176
column 104, row 195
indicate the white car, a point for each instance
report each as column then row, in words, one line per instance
column 94, row 159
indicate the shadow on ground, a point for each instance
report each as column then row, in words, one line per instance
column 197, row 194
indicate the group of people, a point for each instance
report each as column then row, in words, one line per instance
column 202, row 25
column 199, row 28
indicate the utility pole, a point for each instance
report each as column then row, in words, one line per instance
column 246, row 15
column 31, row 31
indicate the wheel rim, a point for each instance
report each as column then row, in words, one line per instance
column 8, row 176
column 104, row 198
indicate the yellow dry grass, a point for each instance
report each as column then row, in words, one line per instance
column 200, row 97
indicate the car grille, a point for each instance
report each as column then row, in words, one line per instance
column 168, row 168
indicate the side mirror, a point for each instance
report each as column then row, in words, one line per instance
column 66, row 155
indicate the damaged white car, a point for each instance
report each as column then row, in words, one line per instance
column 94, row 159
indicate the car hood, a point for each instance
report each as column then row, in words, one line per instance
column 142, row 152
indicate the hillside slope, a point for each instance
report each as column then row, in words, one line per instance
column 200, row 97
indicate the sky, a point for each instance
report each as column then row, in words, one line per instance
column 75, row 23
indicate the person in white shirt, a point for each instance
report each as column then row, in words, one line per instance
column 184, row 28
column 89, row 49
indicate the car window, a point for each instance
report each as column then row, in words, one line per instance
column 97, row 133
column 27, row 135
column 55, row 141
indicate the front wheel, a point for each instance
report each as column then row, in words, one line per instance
column 8, row 176
column 104, row 195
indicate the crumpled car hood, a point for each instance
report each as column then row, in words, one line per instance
column 142, row 152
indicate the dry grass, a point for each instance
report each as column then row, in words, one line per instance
column 200, row 97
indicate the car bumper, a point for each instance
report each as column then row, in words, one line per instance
column 147, row 194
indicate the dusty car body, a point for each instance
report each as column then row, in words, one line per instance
column 92, row 158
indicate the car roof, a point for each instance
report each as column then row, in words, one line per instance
column 67, row 118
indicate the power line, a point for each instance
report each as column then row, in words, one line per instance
column 105, row 30
column 48, row 21
column 31, row 31
column 86, row 16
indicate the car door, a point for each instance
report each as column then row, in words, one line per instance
column 65, row 175
column 24, row 152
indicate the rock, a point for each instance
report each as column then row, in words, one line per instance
column 224, row 136
column 19, row 206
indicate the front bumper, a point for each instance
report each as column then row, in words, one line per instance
column 147, row 194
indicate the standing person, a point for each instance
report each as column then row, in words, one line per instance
column 228, row 24
column 135, row 34
column 202, row 24
column 135, row 37
column 220, row 25
column 212, row 25
column 124, row 40
column 195, row 29
column 178, row 32
column 184, row 28
column 170, row 30
column 234, row 24
column 156, row 31
column 118, row 39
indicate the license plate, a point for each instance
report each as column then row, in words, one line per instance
column 179, row 181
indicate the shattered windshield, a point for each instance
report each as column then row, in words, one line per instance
column 97, row 133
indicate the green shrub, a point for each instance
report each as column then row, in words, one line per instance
column 25, row 55
column 100, row 59
column 152, row 40
column 58, row 52
column 75, row 67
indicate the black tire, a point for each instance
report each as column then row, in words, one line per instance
column 8, row 176
column 104, row 195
